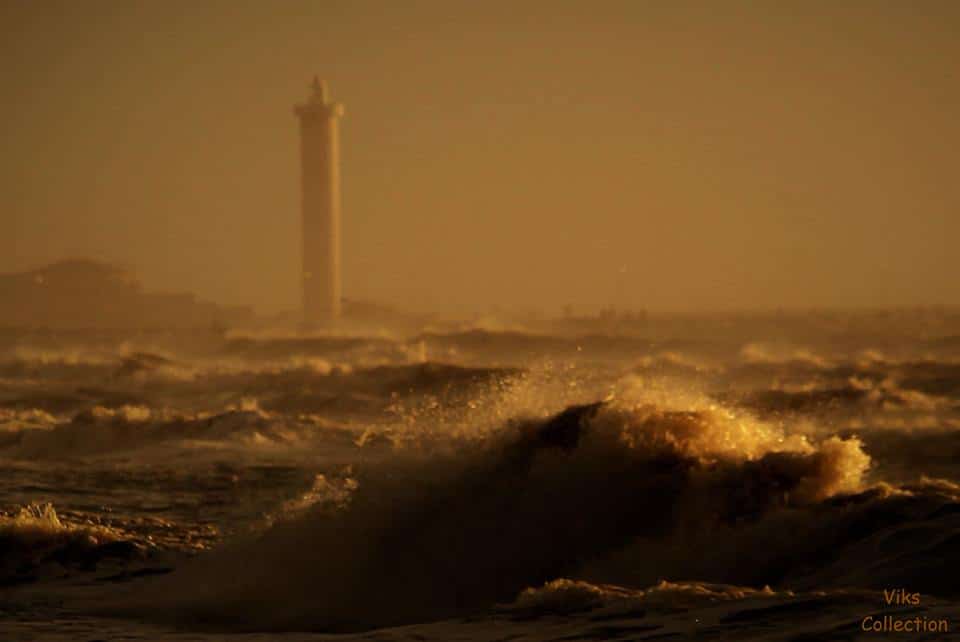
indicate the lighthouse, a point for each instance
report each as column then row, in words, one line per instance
column 320, row 205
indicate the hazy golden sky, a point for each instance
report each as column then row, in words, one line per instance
column 727, row 154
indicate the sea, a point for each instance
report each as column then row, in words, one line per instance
column 712, row 479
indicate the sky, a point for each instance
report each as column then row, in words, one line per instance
column 521, row 155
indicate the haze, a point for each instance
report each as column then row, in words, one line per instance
column 695, row 155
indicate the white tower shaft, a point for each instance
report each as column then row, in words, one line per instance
column 320, row 205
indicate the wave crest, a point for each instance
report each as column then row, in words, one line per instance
column 413, row 540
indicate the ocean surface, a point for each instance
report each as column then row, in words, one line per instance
column 479, row 484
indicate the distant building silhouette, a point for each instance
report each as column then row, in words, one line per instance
column 83, row 293
column 320, row 205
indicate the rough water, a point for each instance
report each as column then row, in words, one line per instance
column 478, row 485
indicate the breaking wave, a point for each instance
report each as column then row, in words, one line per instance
column 112, row 431
column 432, row 535
column 34, row 539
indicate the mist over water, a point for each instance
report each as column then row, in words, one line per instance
column 528, row 155
column 540, row 320
column 462, row 476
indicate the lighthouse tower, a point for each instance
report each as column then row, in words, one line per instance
column 320, row 205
